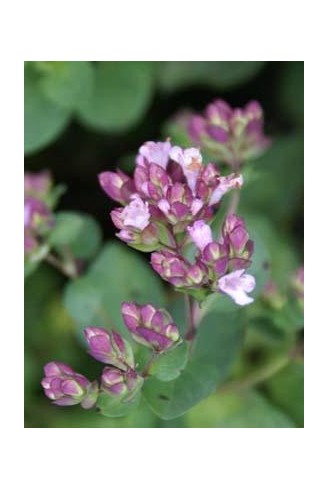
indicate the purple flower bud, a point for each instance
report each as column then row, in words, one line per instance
column 238, row 238
column 235, row 235
column 196, row 275
column 123, row 385
column 196, row 128
column 218, row 112
column 150, row 326
column 233, row 135
column 170, row 267
column 109, row 347
column 66, row 387
column 211, row 252
column 236, row 285
column 113, row 381
column 117, row 185
column 218, row 134
column 221, row 266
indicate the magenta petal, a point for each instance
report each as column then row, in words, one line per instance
column 100, row 343
column 71, row 387
column 66, row 401
column 158, row 341
column 217, row 133
column 57, row 368
column 221, row 266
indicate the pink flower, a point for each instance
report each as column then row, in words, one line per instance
column 136, row 214
column 237, row 284
column 152, row 152
column 226, row 184
column 201, row 234
column 190, row 161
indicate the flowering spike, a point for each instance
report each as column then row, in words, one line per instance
column 109, row 347
column 150, row 326
column 123, row 385
column 66, row 387
column 233, row 135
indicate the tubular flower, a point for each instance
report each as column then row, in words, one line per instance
column 236, row 285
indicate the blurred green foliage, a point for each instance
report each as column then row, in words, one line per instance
column 83, row 117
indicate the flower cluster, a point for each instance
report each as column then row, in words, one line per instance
column 170, row 190
column 150, row 326
column 38, row 217
column 66, row 387
column 232, row 135
column 218, row 266
column 119, row 379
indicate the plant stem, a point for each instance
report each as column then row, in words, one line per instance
column 234, row 201
column 256, row 377
column 149, row 364
column 235, row 194
column 68, row 270
column 191, row 327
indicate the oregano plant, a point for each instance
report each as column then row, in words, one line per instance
column 183, row 212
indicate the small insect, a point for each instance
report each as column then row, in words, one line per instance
column 163, row 397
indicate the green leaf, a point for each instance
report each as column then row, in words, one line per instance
column 260, row 267
column 113, row 406
column 286, row 389
column 217, row 344
column 174, row 75
column 121, row 95
column 278, row 190
column 169, row 365
column 117, row 275
column 44, row 121
column 79, row 231
column 238, row 410
column 290, row 317
column 66, row 82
